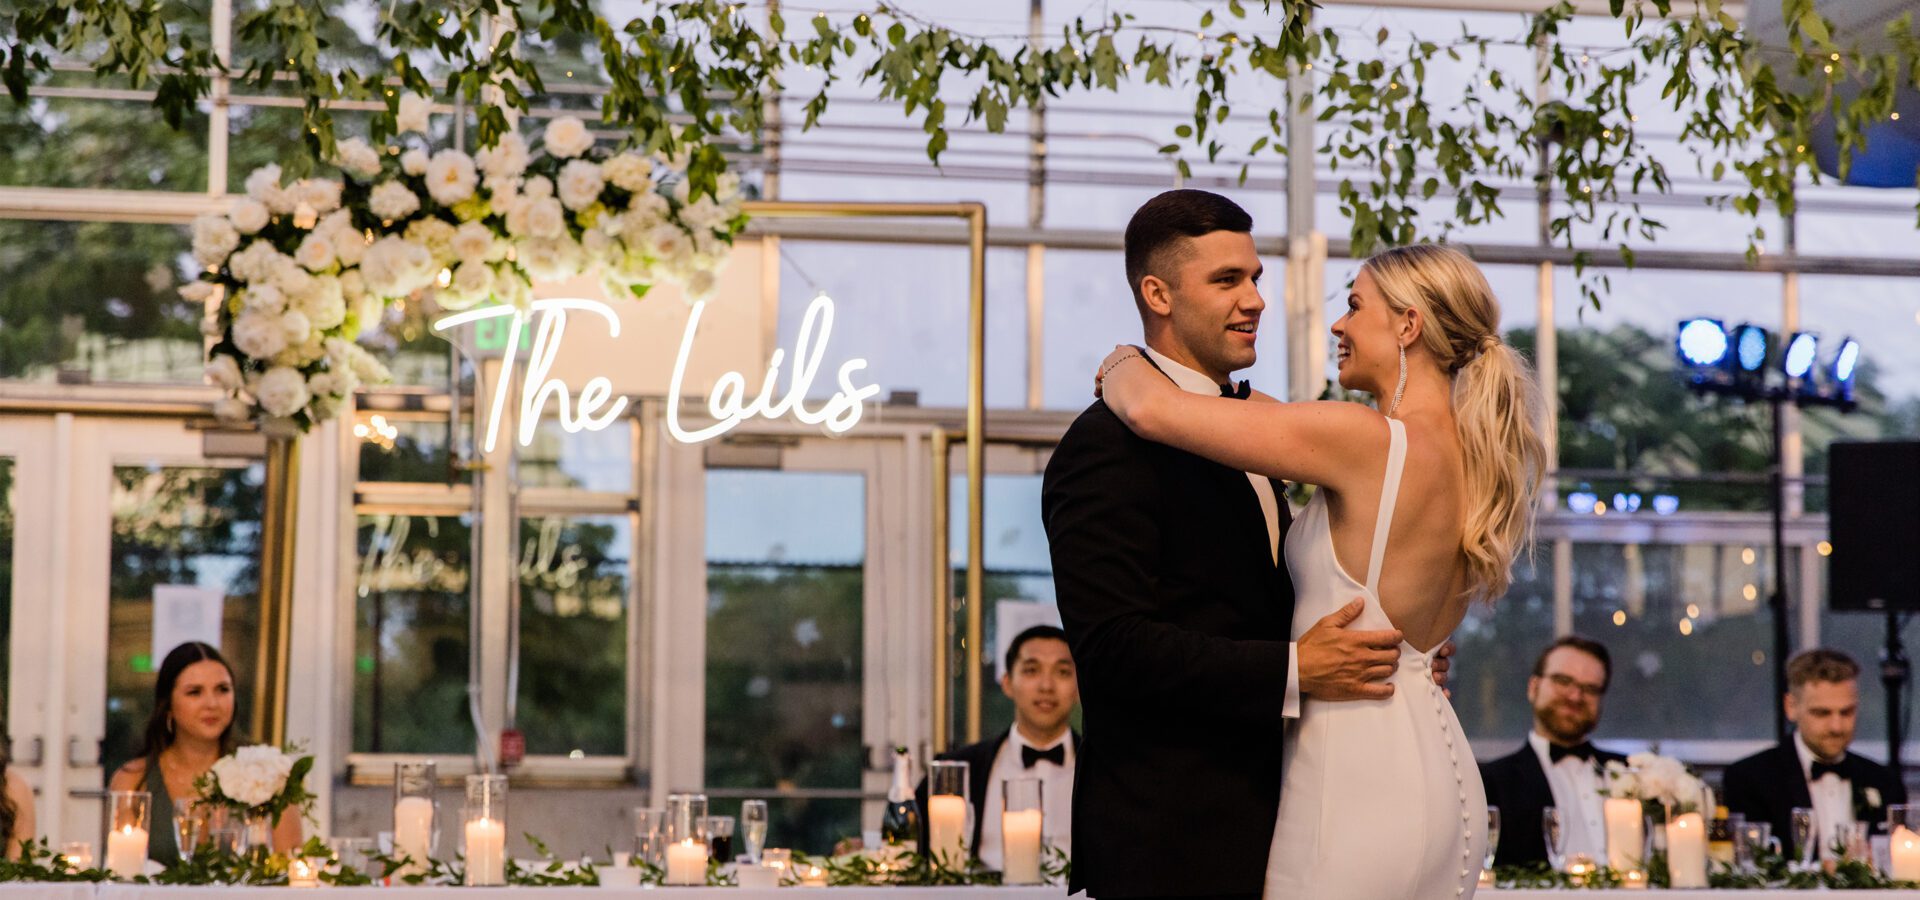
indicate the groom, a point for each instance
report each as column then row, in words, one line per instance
column 1176, row 600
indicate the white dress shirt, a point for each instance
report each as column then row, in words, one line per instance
column 1056, row 796
column 1195, row 383
column 1576, row 794
column 1832, row 798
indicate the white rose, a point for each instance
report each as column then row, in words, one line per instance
column 326, row 307
column 538, row 187
column 223, row 372
column 259, row 335
column 291, row 279
column 247, row 214
column 232, row 410
column 357, row 156
column 282, row 391
column 323, row 194
column 263, row 298
column 253, row 262
column 651, row 205
column 668, row 243
column 505, row 159
column 567, row 137
column 580, row 184
column 630, row 172
column 392, row 200
column 472, row 240
column 395, row 267
column 555, row 259
column 263, row 184
column 472, row 282
column 414, row 162
column 545, row 219
column 213, row 239
column 700, row 285
column 504, row 189
column 349, row 246
column 315, row 253
column 451, row 177
column 597, row 244
column 436, row 236
column 296, row 326
column 415, row 111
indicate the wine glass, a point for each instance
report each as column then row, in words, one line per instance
column 753, row 825
column 1805, row 847
column 1555, row 832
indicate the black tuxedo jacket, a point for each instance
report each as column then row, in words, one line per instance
column 979, row 759
column 1767, row 786
column 1518, row 786
column 1179, row 622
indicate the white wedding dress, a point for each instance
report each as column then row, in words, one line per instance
column 1381, row 799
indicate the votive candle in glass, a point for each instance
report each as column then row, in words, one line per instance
column 486, row 830
column 127, row 832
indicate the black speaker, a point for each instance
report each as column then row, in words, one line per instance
column 1874, row 519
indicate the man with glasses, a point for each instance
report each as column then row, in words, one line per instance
column 1557, row 766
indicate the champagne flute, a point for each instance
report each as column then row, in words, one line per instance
column 1805, row 847
column 753, row 821
column 1555, row 832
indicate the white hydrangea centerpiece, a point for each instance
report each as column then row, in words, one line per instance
column 296, row 271
column 259, row 780
column 1652, row 778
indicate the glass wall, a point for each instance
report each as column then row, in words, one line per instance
column 411, row 635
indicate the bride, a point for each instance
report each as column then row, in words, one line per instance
column 1381, row 799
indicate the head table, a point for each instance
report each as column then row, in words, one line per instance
column 22, row 891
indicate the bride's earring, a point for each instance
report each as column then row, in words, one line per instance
column 1399, row 390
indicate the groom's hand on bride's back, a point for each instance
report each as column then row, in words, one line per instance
column 1341, row 663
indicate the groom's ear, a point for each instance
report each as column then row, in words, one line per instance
column 1156, row 296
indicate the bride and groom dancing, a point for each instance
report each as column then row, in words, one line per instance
column 1227, row 649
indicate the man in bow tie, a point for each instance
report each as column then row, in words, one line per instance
column 1558, row 766
column 1814, row 768
column 1041, row 682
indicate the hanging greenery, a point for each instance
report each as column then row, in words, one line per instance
column 1414, row 160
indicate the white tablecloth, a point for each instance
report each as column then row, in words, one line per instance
column 147, row 892
column 56, row 891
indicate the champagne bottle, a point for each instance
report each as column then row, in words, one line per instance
column 900, row 825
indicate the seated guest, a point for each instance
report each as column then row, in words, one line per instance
column 16, row 812
column 1813, row 768
column 1041, row 682
column 190, row 729
column 1557, row 766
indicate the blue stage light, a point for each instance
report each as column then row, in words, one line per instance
column 1703, row 342
column 1801, row 351
column 1666, row 504
column 1750, row 344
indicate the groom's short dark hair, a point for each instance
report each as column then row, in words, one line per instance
column 1158, row 233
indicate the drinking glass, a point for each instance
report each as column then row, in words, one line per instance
column 1903, row 815
column 1555, row 832
column 1749, row 840
column 1850, row 840
column 720, row 837
column 353, row 854
column 1493, row 833
column 753, row 825
column 649, row 841
column 1805, row 847
column 77, row 854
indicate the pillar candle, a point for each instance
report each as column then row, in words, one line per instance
column 1687, row 851
column 486, row 852
column 127, row 851
column 687, row 863
column 1020, row 836
column 1906, row 854
column 1626, row 834
column 413, row 830
column 947, row 829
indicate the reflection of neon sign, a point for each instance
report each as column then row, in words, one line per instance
column 728, row 403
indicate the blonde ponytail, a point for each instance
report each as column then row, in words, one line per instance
column 1497, row 404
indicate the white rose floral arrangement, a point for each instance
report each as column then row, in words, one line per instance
column 1652, row 778
column 295, row 272
column 259, row 780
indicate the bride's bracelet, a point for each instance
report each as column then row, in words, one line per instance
column 1116, row 364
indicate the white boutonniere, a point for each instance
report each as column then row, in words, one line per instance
column 1873, row 797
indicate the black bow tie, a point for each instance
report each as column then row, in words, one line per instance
column 1240, row 391
column 1582, row 750
column 1821, row 769
column 1057, row 755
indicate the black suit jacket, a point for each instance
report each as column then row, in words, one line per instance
column 979, row 759
column 1766, row 786
column 1518, row 786
column 1179, row 622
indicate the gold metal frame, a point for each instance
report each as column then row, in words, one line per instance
column 277, row 526
column 975, row 215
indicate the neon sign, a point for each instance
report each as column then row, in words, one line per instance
column 728, row 403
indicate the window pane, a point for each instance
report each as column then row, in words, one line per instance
column 404, row 450
column 410, row 641
column 108, row 144
column 1496, row 648
column 1019, row 568
column 785, row 582
column 97, row 301
column 588, row 460
column 1678, row 616
column 574, row 573
column 178, row 526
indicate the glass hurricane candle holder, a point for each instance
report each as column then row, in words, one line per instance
column 413, row 814
column 127, row 824
column 948, row 814
column 486, row 830
column 77, row 855
column 1021, row 823
column 686, row 839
